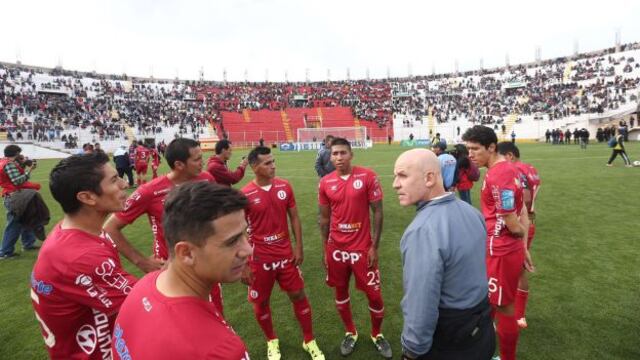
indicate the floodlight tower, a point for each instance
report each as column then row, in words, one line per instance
column 506, row 60
column 348, row 74
column 307, row 76
column 538, row 54
column 367, row 75
column 388, row 72
column 201, row 74
column 576, row 48
column 618, row 39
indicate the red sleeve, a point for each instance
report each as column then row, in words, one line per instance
column 322, row 195
column 374, row 190
column 292, row 198
column 135, row 206
column 98, row 280
column 504, row 192
column 223, row 175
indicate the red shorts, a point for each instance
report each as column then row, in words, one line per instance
column 342, row 263
column 503, row 273
column 532, row 232
column 141, row 168
column 265, row 274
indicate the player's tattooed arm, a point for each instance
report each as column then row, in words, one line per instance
column 376, row 209
column 298, row 255
column 513, row 224
column 325, row 214
column 114, row 227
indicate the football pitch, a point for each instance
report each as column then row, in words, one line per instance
column 584, row 301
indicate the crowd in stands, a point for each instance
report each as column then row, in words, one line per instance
column 38, row 104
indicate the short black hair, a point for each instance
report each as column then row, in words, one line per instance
column 75, row 174
column 257, row 151
column 341, row 141
column 179, row 150
column 12, row 150
column 480, row 134
column 190, row 210
column 505, row 147
column 223, row 144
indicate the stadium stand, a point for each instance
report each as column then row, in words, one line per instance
column 64, row 109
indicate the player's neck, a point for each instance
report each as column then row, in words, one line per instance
column 86, row 220
column 262, row 181
column 345, row 171
column 495, row 158
column 178, row 178
column 176, row 282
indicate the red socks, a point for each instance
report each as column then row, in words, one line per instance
column 508, row 334
column 522, row 296
column 263, row 315
column 343, row 304
column 376, row 311
column 303, row 313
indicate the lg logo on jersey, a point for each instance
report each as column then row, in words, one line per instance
column 93, row 290
column 345, row 256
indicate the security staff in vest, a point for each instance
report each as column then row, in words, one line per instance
column 13, row 177
column 445, row 306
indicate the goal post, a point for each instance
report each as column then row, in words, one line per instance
column 312, row 138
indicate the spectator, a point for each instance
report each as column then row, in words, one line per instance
column 447, row 165
column 123, row 164
column 323, row 163
column 466, row 171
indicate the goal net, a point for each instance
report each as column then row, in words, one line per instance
column 312, row 138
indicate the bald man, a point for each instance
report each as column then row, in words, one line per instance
column 445, row 304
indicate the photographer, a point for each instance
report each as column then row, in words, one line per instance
column 14, row 176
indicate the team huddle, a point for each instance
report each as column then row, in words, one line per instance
column 206, row 234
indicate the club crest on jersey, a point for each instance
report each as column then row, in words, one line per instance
column 357, row 184
column 282, row 194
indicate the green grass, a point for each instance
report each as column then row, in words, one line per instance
column 585, row 295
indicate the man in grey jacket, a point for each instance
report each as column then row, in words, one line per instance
column 445, row 307
column 323, row 164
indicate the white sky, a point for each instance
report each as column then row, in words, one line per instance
column 168, row 38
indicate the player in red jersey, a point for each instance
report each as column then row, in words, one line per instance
column 78, row 283
column 185, row 160
column 501, row 200
column 345, row 196
column 169, row 314
column 271, row 201
column 155, row 162
column 531, row 185
column 142, row 156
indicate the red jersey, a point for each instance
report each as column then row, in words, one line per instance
column 153, row 326
column 501, row 195
column 142, row 154
column 77, row 287
column 349, row 199
column 267, row 218
column 149, row 198
column 531, row 181
column 155, row 157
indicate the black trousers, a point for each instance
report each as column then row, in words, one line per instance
column 128, row 171
column 623, row 154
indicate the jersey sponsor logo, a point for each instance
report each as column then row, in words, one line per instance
column 497, row 229
column 40, row 286
column 275, row 237
column 161, row 192
column 282, row 195
column 93, row 290
column 121, row 344
column 87, row 339
column 358, row 184
column 349, row 228
column 146, row 304
column 275, row 265
column 345, row 256
column 115, row 280
column 333, row 188
column 132, row 199
column 507, row 200
column 101, row 322
column 251, row 193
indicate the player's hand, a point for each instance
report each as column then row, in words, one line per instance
column 244, row 163
column 298, row 256
column 528, row 262
column 151, row 264
column 247, row 275
column 324, row 261
column 372, row 257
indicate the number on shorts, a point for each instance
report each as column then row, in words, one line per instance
column 493, row 285
column 49, row 339
column 374, row 278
